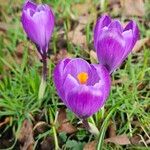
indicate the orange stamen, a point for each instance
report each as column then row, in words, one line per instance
column 82, row 77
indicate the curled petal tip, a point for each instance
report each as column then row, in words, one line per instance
column 29, row 5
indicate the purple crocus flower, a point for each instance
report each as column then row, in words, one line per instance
column 38, row 23
column 83, row 87
column 112, row 42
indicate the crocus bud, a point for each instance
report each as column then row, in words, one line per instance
column 83, row 87
column 112, row 42
column 38, row 23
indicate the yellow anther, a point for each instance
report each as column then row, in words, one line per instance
column 82, row 77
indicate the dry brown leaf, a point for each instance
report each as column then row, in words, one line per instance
column 62, row 116
column 119, row 81
column 141, row 86
column 19, row 49
column 88, row 18
column 120, row 140
column 5, row 26
column 64, row 125
column 90, row 146
column 60, row 55
column 111, row 2
column 135, row 139
column 67, row 127
column 112, row 130
column 76, row 36
column 133, row 7
column 47, row 144
column 7, row 120
column 139, row 44
column 26, row 136
column 40, row 127
column 93, row 57
column 114, row 6
column 1, row 77
column 82, row 8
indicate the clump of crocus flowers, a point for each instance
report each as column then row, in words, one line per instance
column 83, row 87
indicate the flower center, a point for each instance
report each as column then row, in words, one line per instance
column 82, row 77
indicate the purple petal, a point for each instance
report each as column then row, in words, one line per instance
column 104, row 83
column 84, row 101
column 76, row 66
column 69, row 83
column 59, row 76
column 115, row 25
column 102, row 22
column 135, row 31
column 27, row 23
column 44, row 29
column 29, row 5
column 110, row 49
column 128, row 37
column 94, row 77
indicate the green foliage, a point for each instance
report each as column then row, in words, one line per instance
column 74, row 145
column 19, row 84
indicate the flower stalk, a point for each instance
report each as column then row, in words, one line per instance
column 43, row 79
column 38, row 23
column 86, row 124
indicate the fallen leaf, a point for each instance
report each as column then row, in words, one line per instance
column 82, row 8
column 114, row 6
column 19, row 49
column 40, row 128
column 93, row 57
column 139, row 44
column 87, row 18
column 119, row 81
column 76, row 36
column 120, row 140
column 111, row 2
column 47, row 144
column 7, row 120
column 147, row 141
column 64, row 124
column 60, row 55
column 62, row 116
column 133, row 7
column 112, row 130
column 135, row 140
column 141, row 86
column 26, row 136
column 90, row 146
column 67, row 127
column 5, row 26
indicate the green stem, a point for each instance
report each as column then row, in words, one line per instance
column 39, row 1
column 43, row 80
column 54, row 130
column 86, row 124
column 104, row 127
column 103, row 4
column 55, row 138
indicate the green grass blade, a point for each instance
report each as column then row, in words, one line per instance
column 104, row 127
